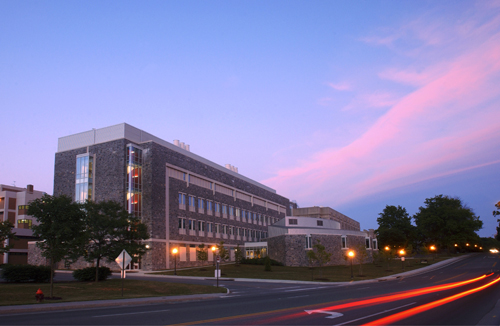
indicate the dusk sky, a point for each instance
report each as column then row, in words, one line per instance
column 353, row 105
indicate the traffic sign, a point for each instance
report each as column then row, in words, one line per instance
column 123, row 259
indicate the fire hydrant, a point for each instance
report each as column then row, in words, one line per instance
column 39, row 295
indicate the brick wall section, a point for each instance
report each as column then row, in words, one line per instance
column 290, row 249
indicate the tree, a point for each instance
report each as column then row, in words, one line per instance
column 109, row 229
column 497, row 213
column 445, row 221
column 395, row 228
column 318, row 255
column 202, row 253
column 361, row 255
column 6, row 234
column 60, row 225
column 223, row 252
column 238, row 254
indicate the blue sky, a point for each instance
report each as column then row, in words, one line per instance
column 349, row 104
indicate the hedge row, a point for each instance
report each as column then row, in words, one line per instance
column 25, row 273
column 88, row 274
column 259, row 261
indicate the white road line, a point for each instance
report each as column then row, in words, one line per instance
column 230, row 296
column 378, row 313
column 298, row 296
column 132, row 313
column 288, row 287
column 305, row 289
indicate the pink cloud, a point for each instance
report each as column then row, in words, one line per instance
column 343, row 86
column 434, row 131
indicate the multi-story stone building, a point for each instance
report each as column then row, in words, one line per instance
column 14, row 203
column 184, row 199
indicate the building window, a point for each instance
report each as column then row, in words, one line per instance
column 201, row 226
column 319, row 223
column 344, row 242
column 191, row 224
column 201, row 204
column 22, row 209
column 191, row 201
column 217, row 228
column 182, row 199
column 374, row 242
column 224, row 209
column 308, row 242
column 182, row 223
column 237, row 212
column 367, row 243
column 83, row 181
column 292, row 221
column 209, row 227
column 217, row 207
column 24, row 224
column 231, row 211
column 134, row 180
column 209, row 205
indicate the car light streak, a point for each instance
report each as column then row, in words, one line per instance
column 408, row 313
column 377, row 300
column 404, row 295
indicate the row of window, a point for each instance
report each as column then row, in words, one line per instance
column 217, row 208
column 209, row 227
column 343, row 242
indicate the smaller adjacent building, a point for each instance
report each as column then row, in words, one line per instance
column 290, row 238
column 14, row 203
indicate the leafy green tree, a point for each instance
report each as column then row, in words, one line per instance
column 6, row 234
column 202, row 253
column 319, row 255
column 496, row 212
column 445, row 221
column 238, row 254
column 109, row 229
column 361, row 255
column 60, row 225
column 395, row 228
column 222, row 251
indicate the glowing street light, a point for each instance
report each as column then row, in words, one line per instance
column 213, row 254
column 174, row 252
column 402, row 254
column 351, row 255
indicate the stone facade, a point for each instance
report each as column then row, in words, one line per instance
column 346, row 223
column 291, row 249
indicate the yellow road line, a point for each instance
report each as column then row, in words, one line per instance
column 450, row 278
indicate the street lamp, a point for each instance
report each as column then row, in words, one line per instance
column 402, row 254
column 213, row 254
column 387, row 250
column 433, row 249
column 351, row 255
column 174, row 252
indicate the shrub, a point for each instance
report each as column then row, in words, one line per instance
column 25, row 273
column 88, row 274
column 267, row 267
column 260, row 261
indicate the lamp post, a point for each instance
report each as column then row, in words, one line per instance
column 174, row 252
column 351, row 255
column 213, row 254
column 402, row 254
column 433, row 249
column 387, row 250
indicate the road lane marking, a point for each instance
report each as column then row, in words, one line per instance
column 450, row 278
column 230, row 296
column 494, row 264
column 288, row 287
column 305, row 289
column 332, row 314
column 298, row 296
column 378, row 313
column 132, row 313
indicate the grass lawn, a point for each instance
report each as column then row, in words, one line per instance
column 325, row 274
column 24, row 293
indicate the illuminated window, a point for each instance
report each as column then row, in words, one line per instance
column 134, row 180
column 83, row 180
column 24, row 224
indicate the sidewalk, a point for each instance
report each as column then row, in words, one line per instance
column 153, row 300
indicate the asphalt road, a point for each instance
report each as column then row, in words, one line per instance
column 424, row 299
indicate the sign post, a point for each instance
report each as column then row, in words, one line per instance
column 123, row 260
column 217, row 270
